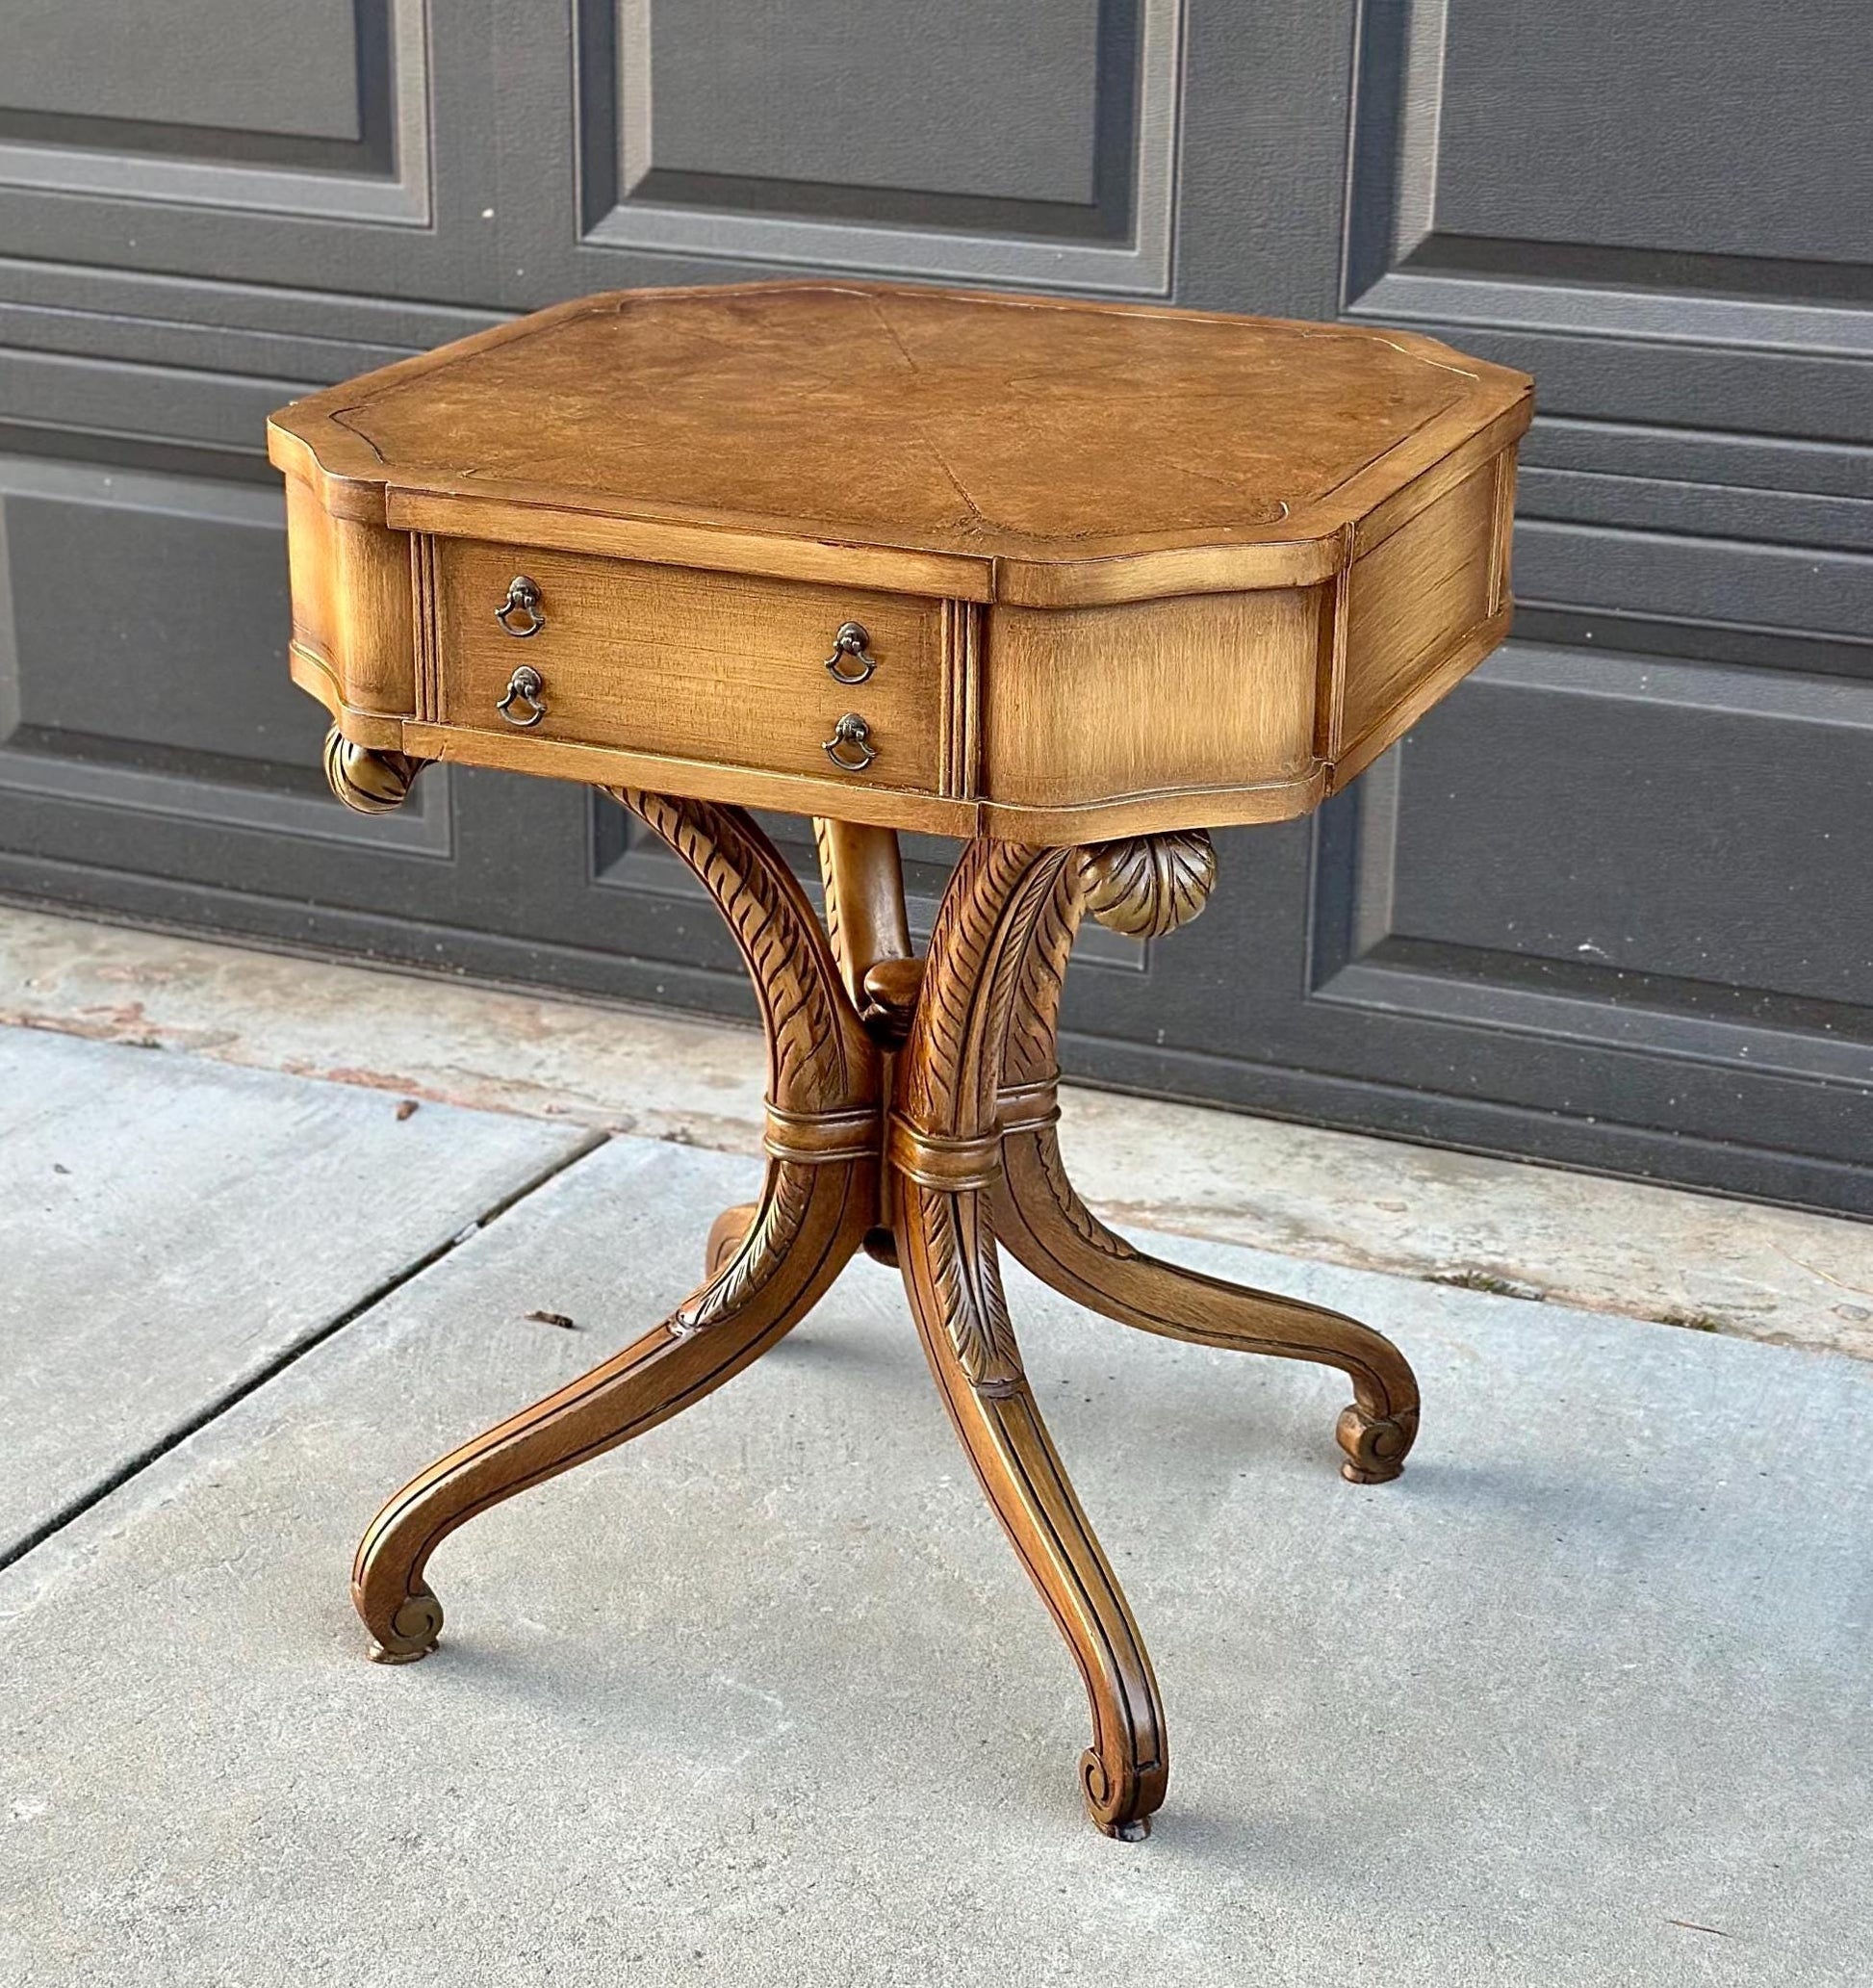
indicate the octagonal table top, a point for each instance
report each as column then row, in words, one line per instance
column 1014, row 448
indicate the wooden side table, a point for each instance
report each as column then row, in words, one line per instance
column 1074, row 582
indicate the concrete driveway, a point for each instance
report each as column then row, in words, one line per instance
column 764, row 1698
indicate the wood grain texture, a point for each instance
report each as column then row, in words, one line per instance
column 959, row 770
column 350, row 586
column 1424, row 688
column 1091, row 705
column 1049, row 440
column 1415, row 597
column 429, row 670
column 701, row 666
column 828, row 793
column 774, row 555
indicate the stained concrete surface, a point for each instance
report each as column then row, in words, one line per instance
column 763, row 1698
column 169, row 1227
column 1621, row 1246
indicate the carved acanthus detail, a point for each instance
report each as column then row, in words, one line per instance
column 821, row 1066
column 762, row 1250
column 970, row 983
column 1147, row 886
column 367, row 780
column 1030, row 1055
column 967, row 1277
column 1079, row 1218
column 819, row 1058
column 823, row 849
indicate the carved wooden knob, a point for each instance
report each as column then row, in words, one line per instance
column 368, row 781
column 1149, row 885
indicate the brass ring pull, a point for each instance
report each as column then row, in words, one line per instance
column 850, row 748
column 524, row 687
column 522, row 598
column 851, row 640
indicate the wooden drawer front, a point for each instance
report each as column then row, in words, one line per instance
column 713, row 666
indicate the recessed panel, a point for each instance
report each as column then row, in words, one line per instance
column 1657, row 128
column 1682, row 183
column 280, row 65
column 975, row 98
column 145, row 625
column 1032, row 144
column 291, row 107
column 283, row 81
column 1622, row 815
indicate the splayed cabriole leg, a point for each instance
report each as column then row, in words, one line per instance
column 819, row 1198
column 943, row 1144
column 1049, row 1230
column 703, row 1343
column 1044, row 1222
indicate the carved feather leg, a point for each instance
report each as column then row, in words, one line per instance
column 812, row 1220
column 727, row 1233
column 1042, row 1220
column 819, row 1198
column 1124, row 1772
column 1048, row 1229
column 943, row 1144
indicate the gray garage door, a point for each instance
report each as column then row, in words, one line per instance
column 1612, row 904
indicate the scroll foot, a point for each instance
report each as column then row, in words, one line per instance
column 1042, row 1221
column 1110, row 1801
column 1376, row 1445
column 410, row 1633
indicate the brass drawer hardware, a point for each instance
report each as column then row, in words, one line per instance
column 524, row 687
column 522, row 598
column 851, row 640
column 850, row 748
